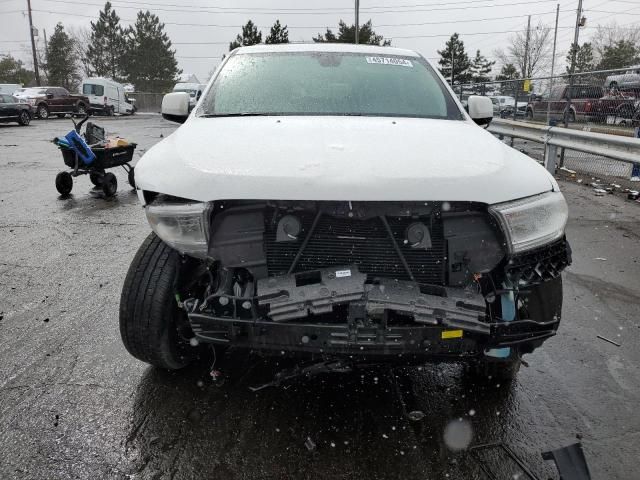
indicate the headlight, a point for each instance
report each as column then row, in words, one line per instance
column 533, row 221
column 182, row 226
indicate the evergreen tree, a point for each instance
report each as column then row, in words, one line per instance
column 62, row 65
column 278, row 34
column 250, row 36
column 151, row 62
column 480, row 68
column 347, row 34
column 622, row 53
column 12, row 71
column 584, row 58
column 107, row 46
column 454, row 50
column 508, row 72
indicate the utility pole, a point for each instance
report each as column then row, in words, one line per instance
column 33, row 45
column 525, row 60
column 357, row 21
column 574, row 51
column 553, row 61
column 572, row 68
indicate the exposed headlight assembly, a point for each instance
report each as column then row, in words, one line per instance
column 182, row 226
column 533, row 221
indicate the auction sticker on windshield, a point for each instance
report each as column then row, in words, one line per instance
column 402, row 62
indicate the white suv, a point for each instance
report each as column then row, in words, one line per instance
column 336, row 202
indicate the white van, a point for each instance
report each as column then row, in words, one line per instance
column 194, row 90
column 106, row 96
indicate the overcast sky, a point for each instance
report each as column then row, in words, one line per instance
column 201, row 30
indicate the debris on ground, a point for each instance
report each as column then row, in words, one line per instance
column 608, row 340
column 599, row 192
column 311, row 446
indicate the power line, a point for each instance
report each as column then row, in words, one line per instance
column 289, row 11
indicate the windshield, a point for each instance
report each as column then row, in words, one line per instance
column 323, row 83
column 91, row 89
column 192, row 93
column 35, row 91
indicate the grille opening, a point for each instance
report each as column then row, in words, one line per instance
column 339, row 241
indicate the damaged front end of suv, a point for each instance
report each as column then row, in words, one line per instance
column 376, row 224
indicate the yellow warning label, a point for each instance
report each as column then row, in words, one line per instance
column 527, row 86
column 451, row 334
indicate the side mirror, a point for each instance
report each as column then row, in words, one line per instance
column 175, row 107
column 49, row 96
column 480, row 109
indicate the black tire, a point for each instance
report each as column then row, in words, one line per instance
column 64, row 183
column 613, row 85
column 111, row 112
column 149, row 315
column 24, row 118
column 81, row 110
column 43, row 111
column 529, row 114
column 571, row 116
column 132, row 178
column 542, row 304
column 96, row 178
column 109, row 184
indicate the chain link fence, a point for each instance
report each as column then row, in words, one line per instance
column 147, row 102
column 605, row 101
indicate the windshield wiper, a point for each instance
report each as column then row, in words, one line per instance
column 239, row 114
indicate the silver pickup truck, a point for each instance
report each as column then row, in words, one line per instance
column 630, row 78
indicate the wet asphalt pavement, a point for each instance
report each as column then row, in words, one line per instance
column 74, row 404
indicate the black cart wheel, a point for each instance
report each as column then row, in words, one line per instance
column 24, row 118
column 151, row 324
column 96, row 178
column 109, row 184
column 64, row 183
column 132, row 178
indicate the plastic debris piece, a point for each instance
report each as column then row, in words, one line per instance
column 599, row 192
column 311, row 446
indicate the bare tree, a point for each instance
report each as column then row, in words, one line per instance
column 81, row 37
column 606, row 36
column 538, row 57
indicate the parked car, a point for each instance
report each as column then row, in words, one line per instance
column 193, row 89
column 336, row 202
column 106, row 96
column 630, row 78
column 9, row 88
column 11, row 110
column 583, row 99
column 58, row 101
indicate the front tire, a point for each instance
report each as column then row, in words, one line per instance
column 24, row 118
column 150, row 318
column 43, row 112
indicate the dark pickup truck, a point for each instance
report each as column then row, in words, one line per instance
column 47, row 101
column 583, row 101
column 620, row 107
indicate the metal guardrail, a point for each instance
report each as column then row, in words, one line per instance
column 623, row 149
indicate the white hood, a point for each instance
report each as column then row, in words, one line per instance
column 338, row 158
